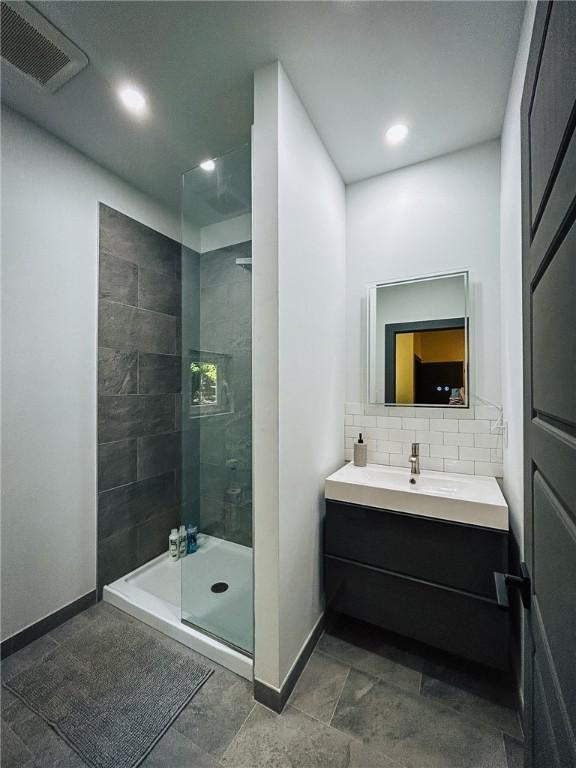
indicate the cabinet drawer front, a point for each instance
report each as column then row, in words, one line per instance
column 463, row 624
column 453, row 554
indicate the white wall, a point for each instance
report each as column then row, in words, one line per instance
column 511, row 284
column 299, row 365
column 50, row 197
column 440, row 215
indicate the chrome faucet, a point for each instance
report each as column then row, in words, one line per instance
column 414, row 460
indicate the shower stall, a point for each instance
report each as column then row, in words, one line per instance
column 205, row 599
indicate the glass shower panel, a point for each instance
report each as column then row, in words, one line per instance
column 217, row 397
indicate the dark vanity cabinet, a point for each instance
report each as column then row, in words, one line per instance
column 429, row 579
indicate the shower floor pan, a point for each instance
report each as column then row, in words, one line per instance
column 152, row 593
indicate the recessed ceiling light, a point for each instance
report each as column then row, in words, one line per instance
column 133, row 99
column 396, row 133
column 208, row 165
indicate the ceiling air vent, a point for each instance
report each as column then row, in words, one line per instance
column 33, row 46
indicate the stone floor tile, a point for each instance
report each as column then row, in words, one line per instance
column 294, row 740
column 413, row 730
column 319, row 687
column 176, row 751
column 15, row 754
column 216, row 712
column 374, row 651
column 30, row 654
column 479, row 693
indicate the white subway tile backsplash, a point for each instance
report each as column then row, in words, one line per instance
column 458, row 438
column 477, row 425
column 365, row 421
column 444, row 451
column 390, row 422
column 424, row 449
column 389, row 446
column 437, row 465
column 491, row 468
column 443, row 425
column 416, row 424
column 376, row 410
column 462, row 467
column 403, row 411
column 463, row 440
column 428, row 413
column 459, row 413
column 376, row 434
column 432, row 438
column 375, row 457
column 402, row 435
column 474, row 454
column 488, row 441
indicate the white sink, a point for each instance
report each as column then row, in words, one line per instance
column 460, row 498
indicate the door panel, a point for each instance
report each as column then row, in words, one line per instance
column 553, row 102
column 554, row 543
column 554, row 324
column 545, row 750
column 549, row 306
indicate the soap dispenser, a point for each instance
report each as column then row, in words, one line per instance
column 360, row 452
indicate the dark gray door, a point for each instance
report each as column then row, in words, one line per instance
column 549, row 262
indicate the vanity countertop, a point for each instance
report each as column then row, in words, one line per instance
column 465, row 499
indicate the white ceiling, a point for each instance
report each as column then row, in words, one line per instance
column 442, row 67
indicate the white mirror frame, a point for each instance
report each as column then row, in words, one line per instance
column 371, row 371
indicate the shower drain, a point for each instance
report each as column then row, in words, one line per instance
column 219, row 586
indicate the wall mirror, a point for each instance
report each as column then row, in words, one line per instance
column 418, row 341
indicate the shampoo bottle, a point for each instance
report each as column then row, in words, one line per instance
column 192, row 538
column 360, row 452
column 182, row 543
column 174, row 544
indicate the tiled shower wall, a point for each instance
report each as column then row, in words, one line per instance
column 139, row 381
column 464, row 440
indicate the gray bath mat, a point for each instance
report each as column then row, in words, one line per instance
column 111, row 692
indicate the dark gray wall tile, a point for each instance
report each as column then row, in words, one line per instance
column 129, row 328
column 152, row 536
column 116, row 464
column 118, row 280
column 158, row 454
column 131, row 505
column 117, row 372
column 159, row 374
column 134, row 416
column 158, row 292
column 117, row 555
column 128, row 239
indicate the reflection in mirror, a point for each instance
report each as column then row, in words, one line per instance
column 418, row 341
